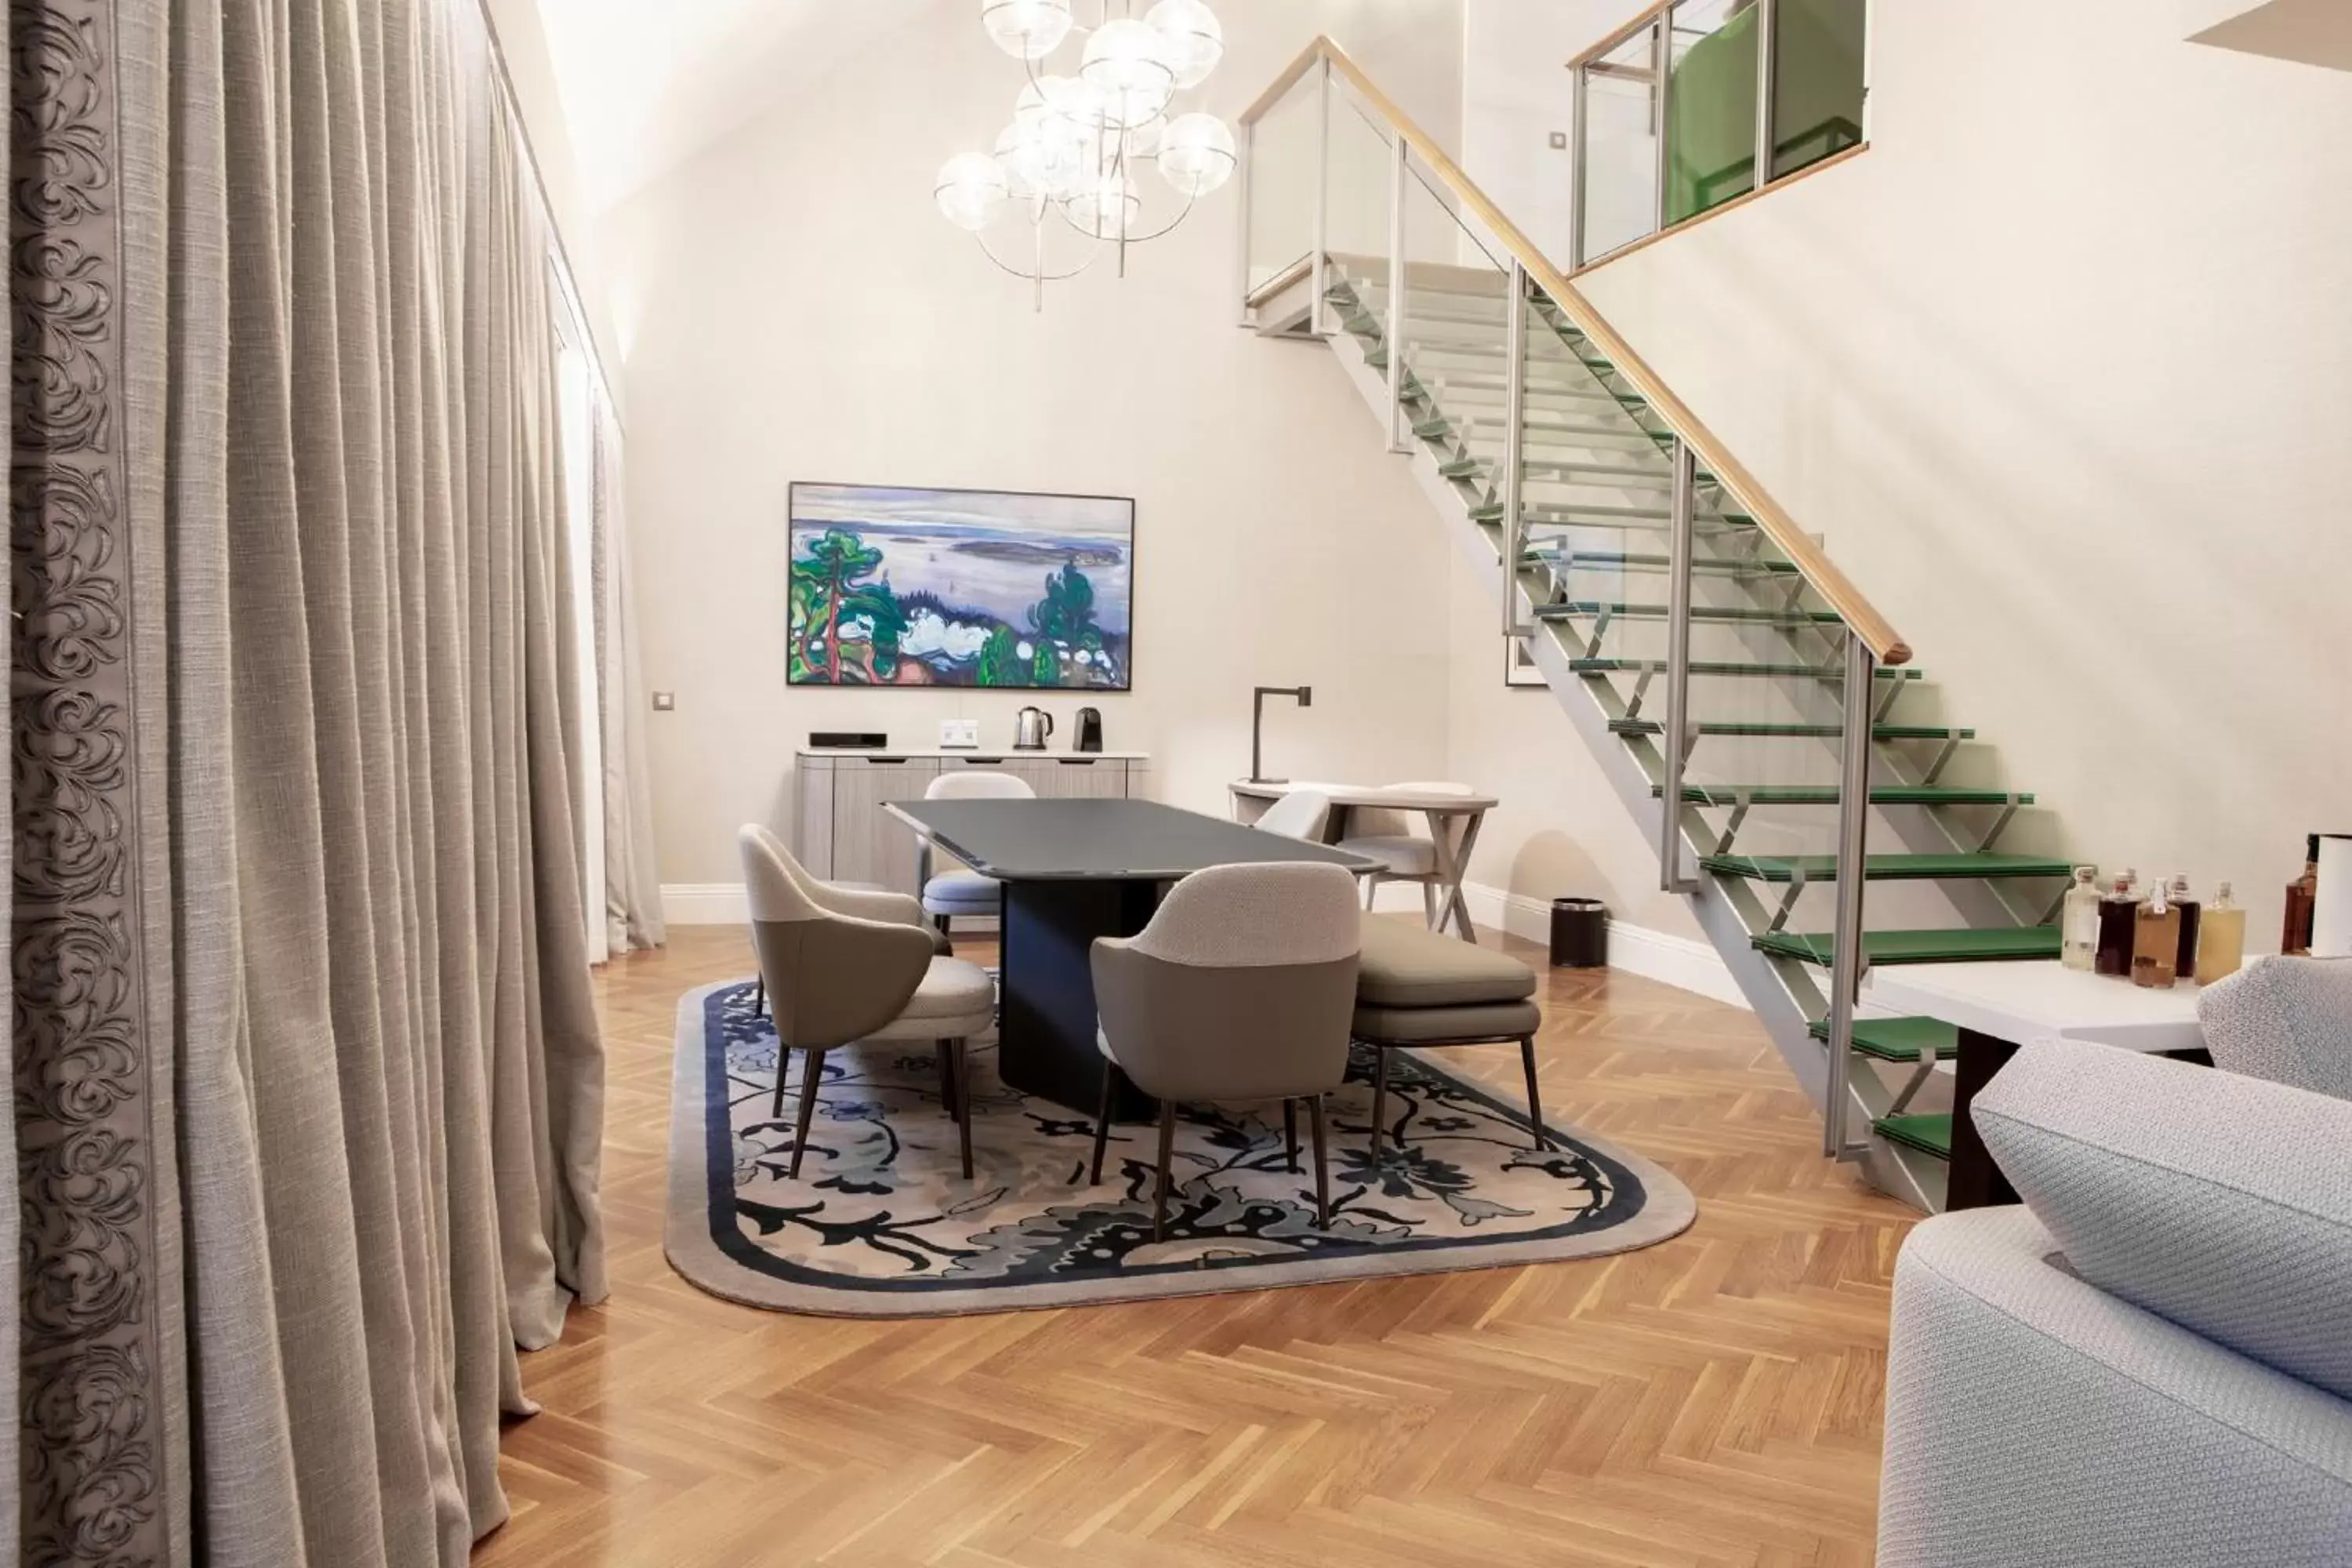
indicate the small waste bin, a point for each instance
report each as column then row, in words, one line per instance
column 1580, row 933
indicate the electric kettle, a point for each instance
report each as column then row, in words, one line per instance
column 1030, row 728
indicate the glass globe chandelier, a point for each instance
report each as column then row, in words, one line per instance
column 1067, row 165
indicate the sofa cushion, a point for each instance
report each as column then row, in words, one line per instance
column 2285, row 1019
column 1412, row 966
column 2219, row 1202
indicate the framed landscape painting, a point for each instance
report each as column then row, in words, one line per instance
column 929, row 587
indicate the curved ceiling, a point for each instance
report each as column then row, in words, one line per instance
column 648, row 83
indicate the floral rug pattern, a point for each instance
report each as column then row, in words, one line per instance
column 882, row 1211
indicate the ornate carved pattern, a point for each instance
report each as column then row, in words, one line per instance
column 85, row 1159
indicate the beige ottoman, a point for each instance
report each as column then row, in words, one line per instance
column 1415, row 988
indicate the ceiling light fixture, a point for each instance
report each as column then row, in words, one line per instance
column 1066, row 166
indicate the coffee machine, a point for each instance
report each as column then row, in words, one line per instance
column 1089, row 731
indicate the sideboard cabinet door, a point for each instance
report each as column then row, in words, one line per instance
column 869, row 844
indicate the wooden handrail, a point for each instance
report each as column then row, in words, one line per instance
column 1636, row 24
column 1835, row 588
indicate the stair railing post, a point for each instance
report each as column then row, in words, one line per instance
column 1241, row 194
column 1846, row 959
column 1766, row 12
column 1514, row 419
column 1662, row 62
column 1393, row 333
column 1681, row 530
column 1576, row 175
column 1322, row 197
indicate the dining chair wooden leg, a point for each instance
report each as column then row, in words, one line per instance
column 1290, row 1133
column 1371, row 889
column 1167, row 1152
column 1380, row 1097
column 943, row 1052
column 962, row 1059
column 1102, row 1120
column 760, row 994
column 1535, row 1096
column 1322, row 1170
column 811, row 1075
column 1428, row 905
column 783, row 1076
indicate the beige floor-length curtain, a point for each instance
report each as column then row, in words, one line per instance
column 308, row 1081
column 632, row 911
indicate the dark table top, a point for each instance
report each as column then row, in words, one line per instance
column 1137, row 840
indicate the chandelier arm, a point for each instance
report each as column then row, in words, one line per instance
column 1163, row 232
column 1028, row 275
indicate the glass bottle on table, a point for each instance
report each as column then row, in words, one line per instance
column 2155, row 940
column 2302, row 902
column 2184, row 964
column 2078, row 926
column 2117, row 932
column 2221, row 939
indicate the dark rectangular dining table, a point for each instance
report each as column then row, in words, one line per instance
column 1074, row 870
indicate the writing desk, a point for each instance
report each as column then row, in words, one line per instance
column 1453, row 822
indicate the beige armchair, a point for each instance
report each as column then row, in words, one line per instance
column 2285, row 1019
column 845, row 965
column 967, row 893
column 1240, row 989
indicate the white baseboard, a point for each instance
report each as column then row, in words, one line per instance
column 706, row 904
column 1678, row 961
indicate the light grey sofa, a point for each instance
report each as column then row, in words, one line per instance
column 2150, row 1363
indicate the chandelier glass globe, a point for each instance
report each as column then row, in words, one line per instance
column 1196, row 42
column 1034, row 161
column 1107, row 208
column 971, row 190
column 1196, row 153
column 1143, row 141
column 1026, row 30
column 1128, row 63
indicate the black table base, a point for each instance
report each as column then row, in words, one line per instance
column 1976, row 1182
column 1046, row 1032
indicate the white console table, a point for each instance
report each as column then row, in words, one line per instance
column 840, row 832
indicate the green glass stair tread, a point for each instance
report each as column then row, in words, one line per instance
column 1634, row 612
column 1898, row 1040
column 1827, row 795
column 1584, row 472
column 1715, row 666
column 1883, row 868
column 1959, row 945
column 1633, row 561
column 1930, row 1134
column 1742, row 727
column 1555, row 514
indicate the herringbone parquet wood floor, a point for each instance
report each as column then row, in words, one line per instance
column 1713, row 1400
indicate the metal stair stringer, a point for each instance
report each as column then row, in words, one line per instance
column 1913, row 1177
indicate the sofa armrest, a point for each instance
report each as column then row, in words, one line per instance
column 2032, row 1418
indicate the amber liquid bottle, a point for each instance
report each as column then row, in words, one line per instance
column 2302, row 899
column 2184, row 965
column 2116, row 935
column 2156, row 941
column 2221, row 939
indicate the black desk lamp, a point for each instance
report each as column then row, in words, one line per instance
column 1306, row 695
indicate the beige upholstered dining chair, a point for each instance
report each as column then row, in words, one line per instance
column 1240, row 989
column 842, row 965
column 1299, row 814
column 1387, row 836
column 952, row 893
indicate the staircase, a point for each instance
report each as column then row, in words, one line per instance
column 1756, row 716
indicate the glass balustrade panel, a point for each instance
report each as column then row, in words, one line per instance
column 1710, row 106
column 1621, row 145
column 1817, row 79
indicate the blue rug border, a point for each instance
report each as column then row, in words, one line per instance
column 727, row 1232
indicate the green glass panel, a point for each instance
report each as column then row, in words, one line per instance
column 1710, row 107
column 1817, row 82
column 1930, row 1134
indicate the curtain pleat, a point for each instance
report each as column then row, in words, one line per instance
column 293, row 865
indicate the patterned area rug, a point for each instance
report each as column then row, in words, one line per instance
column 882, row 1223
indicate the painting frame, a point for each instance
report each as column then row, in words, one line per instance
column 1094, row 535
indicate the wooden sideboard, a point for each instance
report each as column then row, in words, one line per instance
column 842, row 834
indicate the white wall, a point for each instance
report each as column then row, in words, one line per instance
column 2062, row 368
column 796, row 308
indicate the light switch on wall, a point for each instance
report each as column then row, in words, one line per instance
column 1559, row 140
column 663, row 701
